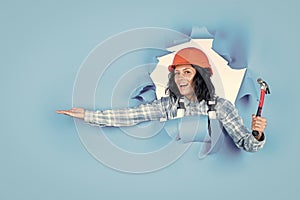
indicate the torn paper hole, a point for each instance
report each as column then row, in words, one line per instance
column 227, row 81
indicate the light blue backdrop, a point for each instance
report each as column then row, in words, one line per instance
column 43, row 44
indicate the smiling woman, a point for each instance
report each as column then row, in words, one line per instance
column 184, row 75
column 190, row 80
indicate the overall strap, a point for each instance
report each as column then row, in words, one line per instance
column 211, row 112
column 215, row 133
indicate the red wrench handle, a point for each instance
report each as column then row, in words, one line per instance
column 261, row 102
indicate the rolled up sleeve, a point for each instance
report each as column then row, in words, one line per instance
column 235, row 128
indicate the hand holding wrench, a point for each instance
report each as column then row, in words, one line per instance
column 264, row 89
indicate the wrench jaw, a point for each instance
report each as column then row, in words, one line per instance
column 264, row 86
column 267, row 89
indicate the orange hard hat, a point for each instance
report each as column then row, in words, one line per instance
column 189, row 56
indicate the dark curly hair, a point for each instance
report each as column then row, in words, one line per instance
column 203, row 87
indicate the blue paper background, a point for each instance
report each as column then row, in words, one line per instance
column 43, row 44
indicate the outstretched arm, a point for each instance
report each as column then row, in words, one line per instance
column 74, row 112
column 119, row 117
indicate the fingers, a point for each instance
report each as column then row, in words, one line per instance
column 74, row 112
column 259, row 123
column 64, row 112
column 60, row 111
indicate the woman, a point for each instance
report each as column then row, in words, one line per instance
column 189, row 84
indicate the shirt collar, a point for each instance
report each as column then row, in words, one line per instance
column 188, row 102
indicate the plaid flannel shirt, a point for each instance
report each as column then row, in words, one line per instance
column 166, row 108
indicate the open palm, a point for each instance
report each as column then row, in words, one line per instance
column 74, row 112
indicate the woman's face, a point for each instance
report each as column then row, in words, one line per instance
column 184, row 75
